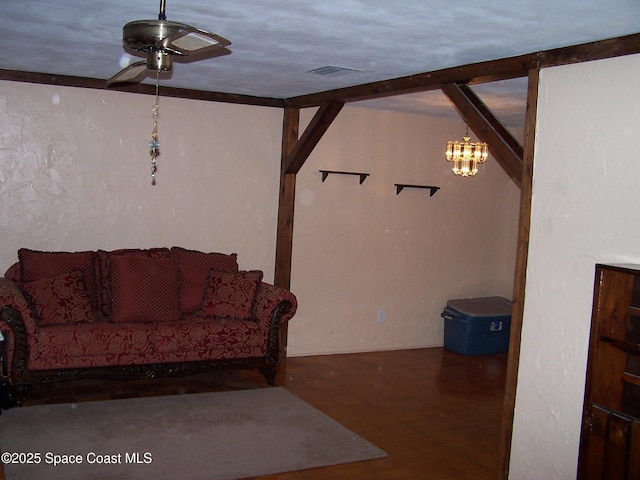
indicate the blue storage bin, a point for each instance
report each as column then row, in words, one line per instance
column 477, row 326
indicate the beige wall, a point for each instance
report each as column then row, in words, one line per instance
column 584, row 211
column 360, row 249
column 74, row 174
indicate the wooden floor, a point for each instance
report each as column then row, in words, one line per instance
column 436, row 413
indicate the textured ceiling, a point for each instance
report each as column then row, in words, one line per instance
column 275, row 43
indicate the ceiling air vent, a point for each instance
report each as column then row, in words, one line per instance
column 333, row 71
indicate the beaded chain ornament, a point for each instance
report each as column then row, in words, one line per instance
column 154, row 145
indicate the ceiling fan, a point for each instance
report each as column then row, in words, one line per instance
column 160, row 40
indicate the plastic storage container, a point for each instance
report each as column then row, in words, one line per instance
column 477, row 326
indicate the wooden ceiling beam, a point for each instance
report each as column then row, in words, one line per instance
column 165, row 91
column 502, row 145
column 483, row 72
column 423, row 82
column 322, row 120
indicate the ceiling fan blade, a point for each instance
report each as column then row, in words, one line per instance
column 134, row 73
column 192, row 41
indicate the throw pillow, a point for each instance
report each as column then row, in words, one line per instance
column 230, row 294
column 144, row 289
column 36, row 265
column 194, row 270
column 13, row 273
column 60, row 299
column 104, row 292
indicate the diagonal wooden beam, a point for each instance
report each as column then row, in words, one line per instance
column 322, row 120
column 502, row 145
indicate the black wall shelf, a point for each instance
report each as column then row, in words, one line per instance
column 325, row 174
column 401, row 186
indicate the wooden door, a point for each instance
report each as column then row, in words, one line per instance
column 610, row 440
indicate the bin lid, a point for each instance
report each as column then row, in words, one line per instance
column 481, row 306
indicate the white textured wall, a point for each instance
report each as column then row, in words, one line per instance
column 359, row 249
column 75, row 174
column 584, row 211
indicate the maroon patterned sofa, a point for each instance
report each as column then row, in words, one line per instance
column 134, row 313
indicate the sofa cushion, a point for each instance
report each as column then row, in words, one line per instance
column 103, row 343
column 64, row 346
column 202, row 336
column 36, row 265
column 144, row 289
column 60, row 299
column 104, row 291
column 230, row 294
column 194, row 267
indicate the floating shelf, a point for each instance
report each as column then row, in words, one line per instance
column 401, row 186
column 325, row 174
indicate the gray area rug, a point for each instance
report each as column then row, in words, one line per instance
column 204, row 436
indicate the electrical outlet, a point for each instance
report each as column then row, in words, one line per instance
column 382, row 315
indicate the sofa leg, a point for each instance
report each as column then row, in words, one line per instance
column 8, row 396
column 269, row 373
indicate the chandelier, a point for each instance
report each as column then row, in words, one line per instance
column 466, row 155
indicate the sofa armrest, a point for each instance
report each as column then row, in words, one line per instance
column 16, row 325
column 15, row 346
column 11, row 296
column 273, row 309
column 274, row 304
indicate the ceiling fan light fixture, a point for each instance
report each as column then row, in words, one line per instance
column 144, row 35
column 160, row 40
column 159, row 61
